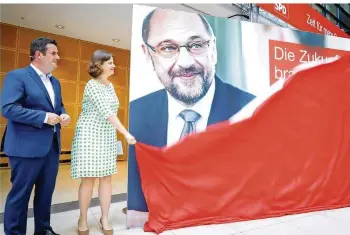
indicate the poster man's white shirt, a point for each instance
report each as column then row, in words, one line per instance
column 176, row 123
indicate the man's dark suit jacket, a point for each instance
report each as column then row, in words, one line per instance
column 25, row 102
column 149, row 124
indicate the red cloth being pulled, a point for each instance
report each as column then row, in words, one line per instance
column 291, row 156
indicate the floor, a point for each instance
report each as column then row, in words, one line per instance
column 66, row 188
column 331, row 222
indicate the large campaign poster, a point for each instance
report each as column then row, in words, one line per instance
column 189, row 71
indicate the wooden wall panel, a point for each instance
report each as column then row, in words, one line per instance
column 81, row 92
column 69, row 92
column 121, row 94
column 8, row 36
column 67, row 47
column 121, row 115
column 72, row 71
column 84, row 75
column 66, row 70
column 122, row 58
column 2, row 129
column 2, row 77
column 7, row 60
column 119, row 78
column 67, row 135
column 3, row 120
column 23, row 59
column 79, row 108
column 71, row 109
column 87, row 48
column 26, row 36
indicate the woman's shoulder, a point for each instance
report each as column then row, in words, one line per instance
column 91, row 83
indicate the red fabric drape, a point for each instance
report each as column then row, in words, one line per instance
column 291, row 156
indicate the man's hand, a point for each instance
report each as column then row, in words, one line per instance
column 65, row 119
column 53, row 119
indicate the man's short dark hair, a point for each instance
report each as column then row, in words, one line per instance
column 147, row 20
column 40, row 44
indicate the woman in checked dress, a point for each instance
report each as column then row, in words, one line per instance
column 94, row 148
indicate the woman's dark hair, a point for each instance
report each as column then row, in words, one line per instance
column 96, row 62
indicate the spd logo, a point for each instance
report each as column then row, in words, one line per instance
column 282, row 9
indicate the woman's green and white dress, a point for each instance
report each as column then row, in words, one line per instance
column 94, row 148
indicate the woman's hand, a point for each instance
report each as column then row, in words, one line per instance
column 130, row 139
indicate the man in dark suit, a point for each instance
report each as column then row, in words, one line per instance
column 31, row 101
column 182, row 50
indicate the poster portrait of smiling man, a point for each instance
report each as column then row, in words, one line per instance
column 175, row 89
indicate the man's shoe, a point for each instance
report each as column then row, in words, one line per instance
column 46, row 232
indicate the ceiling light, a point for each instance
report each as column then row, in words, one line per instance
column 59, row 26
column 115, row 40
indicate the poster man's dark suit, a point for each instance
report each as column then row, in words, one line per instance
column 32, row 146
column 149, row 124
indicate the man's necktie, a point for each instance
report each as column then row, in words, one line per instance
column 190, row 117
